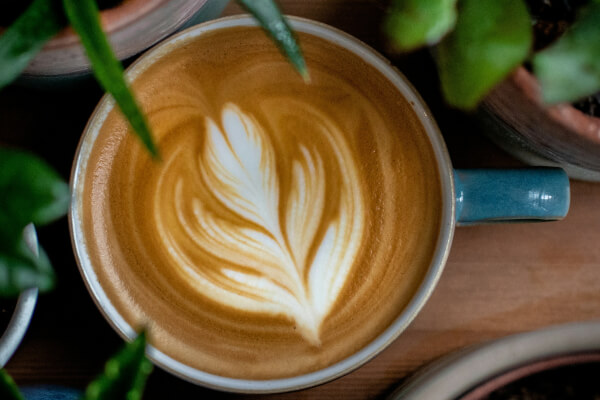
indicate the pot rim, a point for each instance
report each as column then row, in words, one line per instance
column 112, row 19
column 464, row 371
column 525, row 371
column 131, row 27
column 565, row 114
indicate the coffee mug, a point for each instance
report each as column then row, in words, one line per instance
column 292, row 230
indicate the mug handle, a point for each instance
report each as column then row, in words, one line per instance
column 513, row 195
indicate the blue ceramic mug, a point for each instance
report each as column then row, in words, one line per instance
column 468, row 197
column 485, row 196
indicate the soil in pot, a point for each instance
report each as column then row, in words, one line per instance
column 590, row 105
column 579, row 381
column 551, row 18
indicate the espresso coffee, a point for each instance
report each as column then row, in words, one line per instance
column 287, row 223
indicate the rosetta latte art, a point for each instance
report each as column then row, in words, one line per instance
column 279, row 263
column 287, row 225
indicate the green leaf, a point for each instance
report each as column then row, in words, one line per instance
column 26, row 36
column 30, row 191
column 124, row 375
column 8, row 387
column 21, row 269
column 491, row 38
column 84, row 18
column 268, row 15
column 414, row 23
column 570, row 68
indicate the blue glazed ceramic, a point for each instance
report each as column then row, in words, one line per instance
column 486, row 196
column 50, row 393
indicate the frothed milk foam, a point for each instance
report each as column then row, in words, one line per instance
column 287, row 223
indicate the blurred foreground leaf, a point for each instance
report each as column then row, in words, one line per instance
column 268, row 15
column 570, row 68
column 124, row 376
column 8, row 388
column 491, row 38
column 85, row 19
column 415, row 23
column 30, row 191
column 26, row 36
column 21, row 268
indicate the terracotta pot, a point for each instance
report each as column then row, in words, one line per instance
column 474, row 372
column 539, row 134
column 132, row 27
column 488, row 388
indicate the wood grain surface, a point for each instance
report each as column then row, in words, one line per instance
column 499, row 279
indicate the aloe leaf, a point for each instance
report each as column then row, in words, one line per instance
column 490, row 39
column 124, row 376
column 269, row 16
column 8, row 388
column 26, row 36
column 84, row 18
column 570, row 68
column 414, row 23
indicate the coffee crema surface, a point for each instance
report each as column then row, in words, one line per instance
column 287, row 223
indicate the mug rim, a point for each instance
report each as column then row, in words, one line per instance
column 367, row 352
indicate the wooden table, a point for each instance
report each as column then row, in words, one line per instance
column 499, row 279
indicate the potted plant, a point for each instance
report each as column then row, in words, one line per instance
column 532, row 67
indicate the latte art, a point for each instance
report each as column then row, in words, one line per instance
column 287, row 224
column 280, row 264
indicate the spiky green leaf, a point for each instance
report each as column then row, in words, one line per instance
column 84, row 17
column 269, row 16
column 124, row 375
